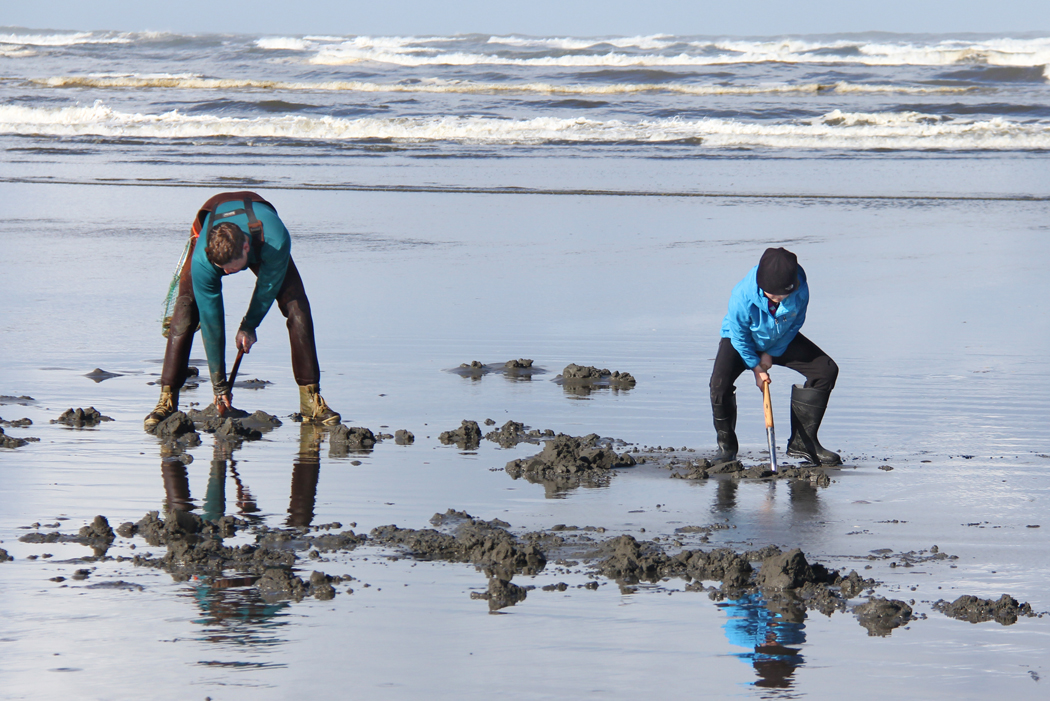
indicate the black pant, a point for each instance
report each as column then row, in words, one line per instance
column 802, row 355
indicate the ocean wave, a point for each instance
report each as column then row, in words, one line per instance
column 647, row 43
column 15, row 51
column 635, row 51
column 66, row 39
column 283, row 43
column 196, row 82
column 999, row 74
column 359, row 43
column 727, row 53
column 666, row 50
column 1001, row 52
column 835, row 130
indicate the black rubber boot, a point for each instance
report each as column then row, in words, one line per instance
column 807, row 411
column 725, row 427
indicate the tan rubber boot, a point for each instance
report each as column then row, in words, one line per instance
column 313, row 407
column 168, row 405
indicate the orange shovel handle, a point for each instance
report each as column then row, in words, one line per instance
column 767, row 405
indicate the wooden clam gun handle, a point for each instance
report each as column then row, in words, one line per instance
column 767, row 405
column 236, row 367
column 221, row 409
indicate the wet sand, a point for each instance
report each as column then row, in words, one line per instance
column 408, row 287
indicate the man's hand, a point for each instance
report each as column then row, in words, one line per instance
column 245, row 340
column 223, row 403
column 761, row 370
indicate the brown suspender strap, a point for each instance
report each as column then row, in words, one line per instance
column 255, row 226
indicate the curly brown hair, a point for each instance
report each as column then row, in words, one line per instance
column 225, row 243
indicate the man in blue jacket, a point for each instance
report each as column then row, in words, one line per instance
column 242, row 231
column 761, row 329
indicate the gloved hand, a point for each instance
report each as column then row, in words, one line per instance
column 245, row 339
column 223, row 403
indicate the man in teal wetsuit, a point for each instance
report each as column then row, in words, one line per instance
column 243, row 231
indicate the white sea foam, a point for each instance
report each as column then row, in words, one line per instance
column 638, row 51
column 341, row 55
column 1001, row 51
column 648, row 43
column 15, row 51
column 949, row 54
column 646, row 51
column 196, row 82
column 835, row 130
column 344, row 55
column 66, row 39
column 391, row 44
column 283, row 43
column 131, row 79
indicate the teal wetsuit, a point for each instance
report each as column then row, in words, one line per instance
column 267, row 257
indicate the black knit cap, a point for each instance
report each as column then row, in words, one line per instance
column 778, row 271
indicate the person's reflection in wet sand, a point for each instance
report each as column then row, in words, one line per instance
column 803, row 496
column 767, row 630
column 232, row 609
column 725, row 497
column 176, row 482
column 246, row 506
column 215, row 496
column 177, row 485
column 767, row 512
column 234, row 613
column 306, row 470
column 805, row 500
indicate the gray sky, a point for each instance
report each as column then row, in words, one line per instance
column 535, row 17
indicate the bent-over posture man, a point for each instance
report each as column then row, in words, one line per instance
column 766, row 311
column 243, row 231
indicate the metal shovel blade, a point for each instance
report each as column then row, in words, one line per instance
column 767, row 406
column 772, row 448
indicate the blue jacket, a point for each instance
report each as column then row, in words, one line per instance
column 750, row 326
column 269, row 258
